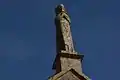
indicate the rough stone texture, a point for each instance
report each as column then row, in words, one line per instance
column 65, row 48
column 63, row 28
column 64, row 38
column 71, row 63
column 68, row 76
column 67, row 35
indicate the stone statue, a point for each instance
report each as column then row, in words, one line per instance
column 62, row 21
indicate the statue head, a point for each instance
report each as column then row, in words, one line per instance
column 60, row 8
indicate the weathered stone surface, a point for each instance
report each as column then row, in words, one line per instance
column 68, row 76
column 71, row 63
column 65, row 26
column 64, row 39
column 67, row 62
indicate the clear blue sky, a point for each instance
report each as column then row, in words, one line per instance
column 27, row 37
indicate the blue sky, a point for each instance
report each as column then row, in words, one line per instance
column 27, row 37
